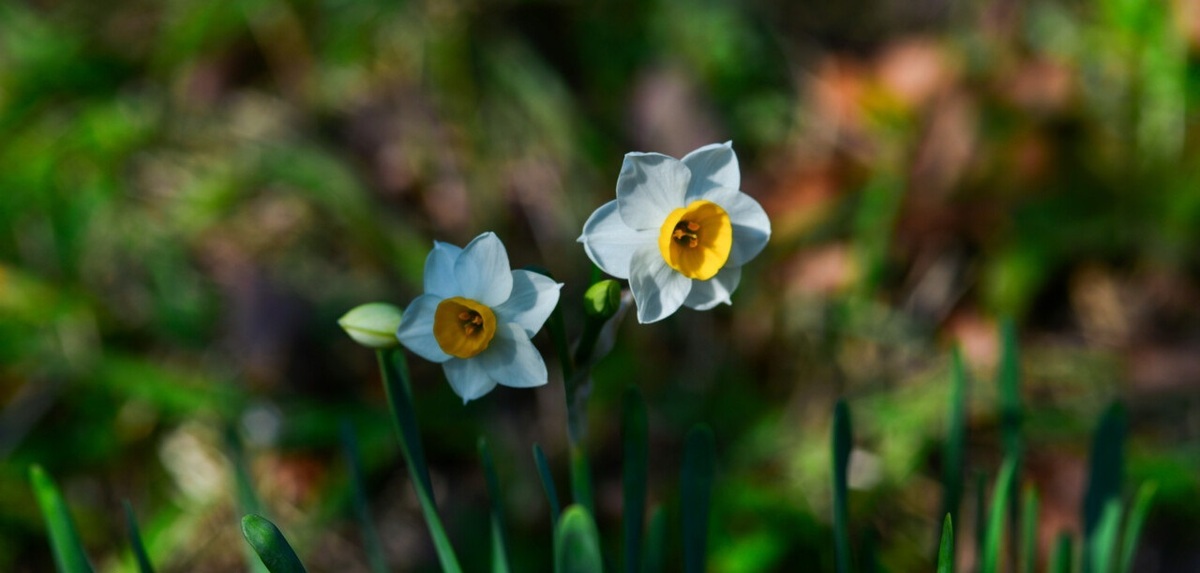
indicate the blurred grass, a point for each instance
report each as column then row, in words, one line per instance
column 192, row 192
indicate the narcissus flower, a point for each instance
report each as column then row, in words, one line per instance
column 679, row 230
column 477, row 316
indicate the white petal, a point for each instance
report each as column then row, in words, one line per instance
column 658, row 289
column 714, row 291
column 468, row 378
column 714, row 165
column 650, row 186
column 610, row 243
column 439, row 270
column 512, row 360
column 482, row 271
column 416, row 328
column 751, row 227
column 533, row 298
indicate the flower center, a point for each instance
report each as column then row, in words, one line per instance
column 463, row 327
column 696, row 240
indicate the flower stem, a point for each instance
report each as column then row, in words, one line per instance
column 399, row 395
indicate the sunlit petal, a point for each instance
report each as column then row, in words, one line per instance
column 649, row 187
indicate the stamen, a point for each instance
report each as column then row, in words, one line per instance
column 464, row 315
column 693, row 226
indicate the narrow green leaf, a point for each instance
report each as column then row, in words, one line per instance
column 397, row 388
column 1008, row 378
column 547, row 478
column 1134, row 523
column 980, row 511
column 1029, row 523
column 135, row 540
column 635, row 438
column 946, row 550
column 268, row 542
column 362, row 510
column 247, row 499
column 499, row 539
column 699, row 465
column 1106, row 467
column 1102, row 546
column 953, row 453
column 576, row 543
column 656, row 540
column 1064, row 550
column 581, row 479
column 994, row 539
column 69, row 555
column 842, row 442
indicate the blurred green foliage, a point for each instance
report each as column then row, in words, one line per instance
column 191, row 194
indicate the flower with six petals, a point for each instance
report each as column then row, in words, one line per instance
column 679, row 230
column 477, row 316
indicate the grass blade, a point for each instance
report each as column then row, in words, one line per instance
column 946, row 550
column 956, row 431
column 635, row 439
column 1064, row 550
column 547, row 478
column 397, row 388
column 499, row 539
column 1103, row 543
column 576, row 543
column 1008, row 378
column 247, row 499
column 656, row 540
column 362, row 510
column 69, row 555
column 699, row 465
column 268, row 542
column 1107, row 466
column 1134, row 523
column 994, row 537
column 135, row 540
column 842, row 442
column 1029, row 523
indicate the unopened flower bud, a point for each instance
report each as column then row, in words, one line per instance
column 373, row 324
column 602, row 299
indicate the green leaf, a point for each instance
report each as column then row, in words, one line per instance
column 576, row 543
column 397, row 388
column 1106, row 468
column 842, row 443
column 1102, row 546
column 362, row 510
column 247, row 499
column 980, row 510
column 1008, row 378
column 547, row 478
column 64, row 540
column 269, row 543
column 994, row 538
column 699, row 465
column 656, row 541
column 1060, row 562
column 1029, row 523
column 499, row 539
column 1134, row 523
column 956, row 432
column 946, row 550
column 634, row 436
column 135, row 540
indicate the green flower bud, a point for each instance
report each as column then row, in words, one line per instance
column 373, row 324
column 602, row 299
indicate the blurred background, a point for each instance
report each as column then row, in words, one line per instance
column 192, row 192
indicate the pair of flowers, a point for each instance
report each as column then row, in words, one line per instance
column 679, row 231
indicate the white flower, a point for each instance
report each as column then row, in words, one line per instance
column 680, row 231
column 476, row 318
